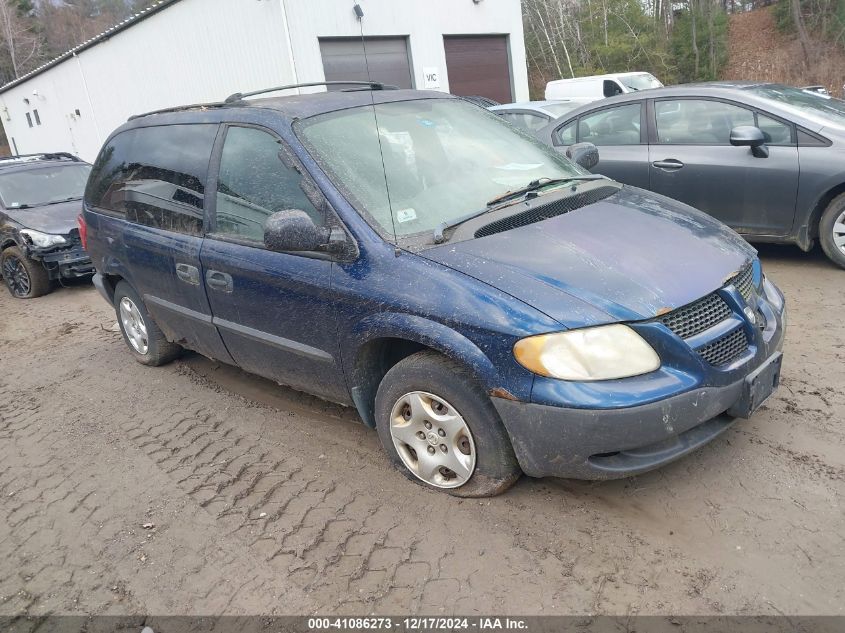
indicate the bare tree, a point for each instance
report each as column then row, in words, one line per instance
column 802, row 31
column 20, row 44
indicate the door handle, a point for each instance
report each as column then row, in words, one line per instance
column 188, row 274
column 668, row 163
column 219, row 281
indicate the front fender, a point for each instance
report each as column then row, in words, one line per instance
column 426, row 332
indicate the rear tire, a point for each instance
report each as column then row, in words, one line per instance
column 431, row 414
column 25, row 278
column 142, row 336
column 832, row 230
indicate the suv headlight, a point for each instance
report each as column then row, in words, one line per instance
column 598, row 353
column 773, row 294
column 43, row 240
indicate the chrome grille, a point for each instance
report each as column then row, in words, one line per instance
column 744, row 283
column 697, row 317
column 726, row 349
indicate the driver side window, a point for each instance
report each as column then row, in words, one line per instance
column 254, row 183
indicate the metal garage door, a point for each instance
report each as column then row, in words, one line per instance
column 479, row 65
column 343, row 59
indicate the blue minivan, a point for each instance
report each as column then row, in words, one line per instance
column 488, row 306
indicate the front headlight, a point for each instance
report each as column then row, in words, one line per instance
column 773, row 294
column 598, row 353
column 43, row 240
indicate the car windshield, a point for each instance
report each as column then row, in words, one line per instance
column 431, row 162
column 818, row 105
column 559, row 109
column 43, row 185
column 643, row 81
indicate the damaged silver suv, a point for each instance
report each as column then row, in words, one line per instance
column 40, row 199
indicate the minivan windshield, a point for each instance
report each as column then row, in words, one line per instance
column 43, row 185
column 431, row 161
column 642, row 81
column 822, row 106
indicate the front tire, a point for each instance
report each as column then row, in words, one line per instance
column 24, row 277
column 440, row 429
column 832, row 231
column 142, row 336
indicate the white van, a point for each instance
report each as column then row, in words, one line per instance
column 587, row 89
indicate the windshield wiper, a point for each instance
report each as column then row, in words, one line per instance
column 495, row 203
column 536, row 185
column 71, row 199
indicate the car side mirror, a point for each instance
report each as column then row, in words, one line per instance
column 584, row 154
column 294, row 230
column 750, row 136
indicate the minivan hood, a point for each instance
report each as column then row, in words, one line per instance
column 629, row 257
column 57, row 219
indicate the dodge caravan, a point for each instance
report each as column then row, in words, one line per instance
column 489, row 307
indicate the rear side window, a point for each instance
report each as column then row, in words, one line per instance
column 611, row 126
column 155, row 176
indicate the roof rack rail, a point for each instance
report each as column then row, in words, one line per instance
column 371, row 85
column 22, row 158
column 193, row 106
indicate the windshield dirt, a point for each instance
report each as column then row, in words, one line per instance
column 44, row 185
column 431, row 161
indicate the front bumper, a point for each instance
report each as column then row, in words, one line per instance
column 624, row 439
column 612, row 443
column 66, row 264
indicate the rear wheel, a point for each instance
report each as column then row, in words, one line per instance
column 143, row 337
column 832, row 230
column 24, row 277
column 440, row 429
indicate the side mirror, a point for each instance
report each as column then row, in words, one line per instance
column 750, row 136
column 293, row 230
column 584, row 154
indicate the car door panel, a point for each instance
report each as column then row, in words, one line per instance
column 618, row 133
column 752, row 195
column 691, row 160
column 154, row 191
column 273, row 310
column 276, row 316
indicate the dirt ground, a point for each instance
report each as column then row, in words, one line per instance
column 258, row 499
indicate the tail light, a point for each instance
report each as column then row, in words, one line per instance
column 83, row 231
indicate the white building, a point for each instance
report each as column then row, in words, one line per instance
column 192, row 51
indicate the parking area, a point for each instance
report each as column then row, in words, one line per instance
column 198, row 489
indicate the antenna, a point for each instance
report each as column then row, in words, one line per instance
column 359, row 14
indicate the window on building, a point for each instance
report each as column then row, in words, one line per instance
column 29, row 119
column 155, row 176
column 254, row 183
column 37, row 118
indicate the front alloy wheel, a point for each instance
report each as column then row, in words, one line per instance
column 432, row 439
column 134, row 326
column 16, row 276
column 839, row 232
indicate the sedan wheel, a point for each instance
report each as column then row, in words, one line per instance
column 839, row 232
column 432, row 439
column 133, row 325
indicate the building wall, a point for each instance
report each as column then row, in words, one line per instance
column 203, row 50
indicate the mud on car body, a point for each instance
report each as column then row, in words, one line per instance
column 487, row 305
column 40, row 199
